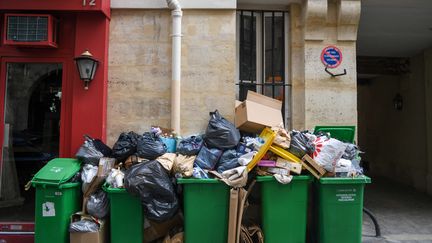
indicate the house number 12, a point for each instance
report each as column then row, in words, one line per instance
column 90, row 2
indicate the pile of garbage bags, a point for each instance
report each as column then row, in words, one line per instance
column 147, row 165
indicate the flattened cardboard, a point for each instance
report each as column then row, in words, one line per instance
column 257, row 112
column 233, row 215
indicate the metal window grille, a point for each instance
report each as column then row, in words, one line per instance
column 269, row 79
column 27, row 28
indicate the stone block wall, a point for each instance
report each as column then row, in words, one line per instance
column 139, row 76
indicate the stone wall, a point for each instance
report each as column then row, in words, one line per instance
column 318, row 98
column 139, row 75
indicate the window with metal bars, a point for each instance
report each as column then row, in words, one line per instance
column 262, row 55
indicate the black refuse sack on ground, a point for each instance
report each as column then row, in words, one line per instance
column 83, row 226
column 151, row 183
column 88, row 153
column 221, row 133
column 300, row 144
column 98, row 204
column 208, row 157
column 125, row 146
column 228, row 160
column 190, row 145
column 150, row 146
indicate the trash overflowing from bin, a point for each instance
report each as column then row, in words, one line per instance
column 142, row 170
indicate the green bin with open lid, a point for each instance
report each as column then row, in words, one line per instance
column 56, row 200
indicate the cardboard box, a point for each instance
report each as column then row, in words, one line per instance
column 89, row 237
column 292, row 166
column 257, row 112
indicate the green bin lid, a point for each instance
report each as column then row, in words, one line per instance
column 57, row 171
column 342, row 133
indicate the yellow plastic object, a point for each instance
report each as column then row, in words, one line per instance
column 284, row 154
column 268, row 136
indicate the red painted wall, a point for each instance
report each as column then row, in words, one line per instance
column 83, row 111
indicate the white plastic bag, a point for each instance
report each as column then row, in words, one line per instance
column 115, row 178
column 328, row 152
column 88, row 173
column 245, row 159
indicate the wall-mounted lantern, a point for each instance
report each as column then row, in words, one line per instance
column 398, row 102
column 87, row 66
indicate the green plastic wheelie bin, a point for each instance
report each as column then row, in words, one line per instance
column 284, row 209
column 56, row 200
column 340, row 209
column 126, row 216
column 206, row 208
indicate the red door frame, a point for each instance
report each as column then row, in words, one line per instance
column 65, row 99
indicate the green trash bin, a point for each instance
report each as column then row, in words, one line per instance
column 342, row 133
column 284, row 209
column 56, row 200
column 340, row 209
column 126, row 216
column 206, row 208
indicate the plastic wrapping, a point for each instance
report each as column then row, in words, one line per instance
column 351, row 151
column 199, row 173
column 100, row 146
column 190, row 145
column 245, row 159
column 115, row 178
column 228, row 160
column 329, row 152
column 300, row 144
column 221, row 133
column 150, row 146
column 152, row 184
column 208, row 157
column 83, row 226
column 98, row 204
column 125, row 146
column 88, row 154
column 88, row 173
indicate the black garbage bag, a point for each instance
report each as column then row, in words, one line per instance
column 98, row 204
column 88, row 154
column 190, row 145
column 221, row 133
column 150, row 146
column 83, row 226
column 228, row 160
column 101, row 146
column 125, row 146
column 151, row 183
column 207, row 158
column 300, row 144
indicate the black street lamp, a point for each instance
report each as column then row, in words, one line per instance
column 87, row 66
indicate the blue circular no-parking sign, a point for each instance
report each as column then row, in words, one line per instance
column 331, row 56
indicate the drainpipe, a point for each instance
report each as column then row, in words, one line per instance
column 176, row 14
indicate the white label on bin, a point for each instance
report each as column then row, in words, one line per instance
column 48, row 209
column 56, row 169
column 346, row 195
